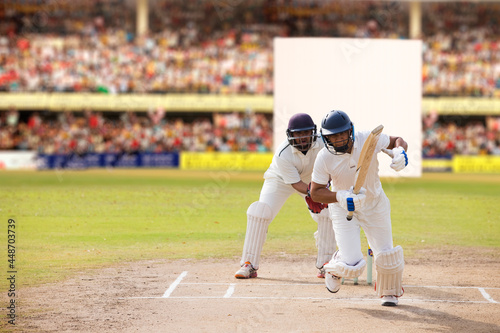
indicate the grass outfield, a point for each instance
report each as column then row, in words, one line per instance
column 72, row 220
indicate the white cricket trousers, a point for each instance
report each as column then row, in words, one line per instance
column 376, row 223
column 275, row 193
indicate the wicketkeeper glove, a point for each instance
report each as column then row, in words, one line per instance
column 399, row 158
column 350, row 201
column 314, row 207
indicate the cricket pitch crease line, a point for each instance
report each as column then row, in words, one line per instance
column 174, row 285
column 230, row 290
column 362, row 284
column 406, row 300
column 232, row 286
column 254, row 284
column 487, row 296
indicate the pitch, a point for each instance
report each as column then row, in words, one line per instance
column 169, row 296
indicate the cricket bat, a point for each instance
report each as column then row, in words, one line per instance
column 364, row 161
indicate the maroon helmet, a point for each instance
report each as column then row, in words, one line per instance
column 301, row 122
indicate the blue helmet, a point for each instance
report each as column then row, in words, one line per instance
column 334, row 122
column 297, row 123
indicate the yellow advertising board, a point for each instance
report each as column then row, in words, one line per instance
column 436, row 164
column 135, row 102
column 476, row 164
column 225, row 161
column 461, row 106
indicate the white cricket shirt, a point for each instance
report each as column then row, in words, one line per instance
column 291, row 165
column 342, row 168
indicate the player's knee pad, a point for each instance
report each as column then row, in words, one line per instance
column 324, row 222
column 325, row 233
column 390, row 266
column 260, row 211
column 341, row 269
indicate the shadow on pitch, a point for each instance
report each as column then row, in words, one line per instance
column 285, row 280
column 443, row 321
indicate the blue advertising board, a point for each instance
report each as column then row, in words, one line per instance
column 107, row 160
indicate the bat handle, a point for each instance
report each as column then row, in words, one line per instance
column 349, row 213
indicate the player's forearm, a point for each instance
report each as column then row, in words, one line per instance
column 401, row 143
column 300, row 187
column 397, row 141
column 320, row 193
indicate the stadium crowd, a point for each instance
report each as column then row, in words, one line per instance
column 80, row 132
column 461, row 55
column 85, row 132
column 205, row 47
column 219, row 47
column 443, row 138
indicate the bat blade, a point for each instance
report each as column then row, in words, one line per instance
column 364, row 161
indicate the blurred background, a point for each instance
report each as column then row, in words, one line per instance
column 164, row 83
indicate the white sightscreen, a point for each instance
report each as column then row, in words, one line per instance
column 375, row 81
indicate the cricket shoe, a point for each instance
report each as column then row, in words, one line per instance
column 246, row 271
column 389, row 300
column 332, row 282
column 322, row 272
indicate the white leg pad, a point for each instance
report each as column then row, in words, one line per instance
column 325, row 238
column 390, row 266
column 259, row 217
column 341, row 269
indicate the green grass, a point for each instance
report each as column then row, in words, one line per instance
column 73, row 220
column 446, row 209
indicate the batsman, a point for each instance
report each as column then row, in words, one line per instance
column 370, row 208
column 290, row 172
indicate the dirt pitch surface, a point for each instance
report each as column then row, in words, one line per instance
column 451, row 293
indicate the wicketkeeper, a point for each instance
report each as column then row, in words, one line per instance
column 289, row 172
column 337, row 163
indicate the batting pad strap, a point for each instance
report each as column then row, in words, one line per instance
column 390, row 266
column 341, row 269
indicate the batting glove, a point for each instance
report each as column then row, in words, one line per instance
column 350, row 201
column 399, row 158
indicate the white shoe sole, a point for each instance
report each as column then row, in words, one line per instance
column 332, row 284
column 390, row 301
